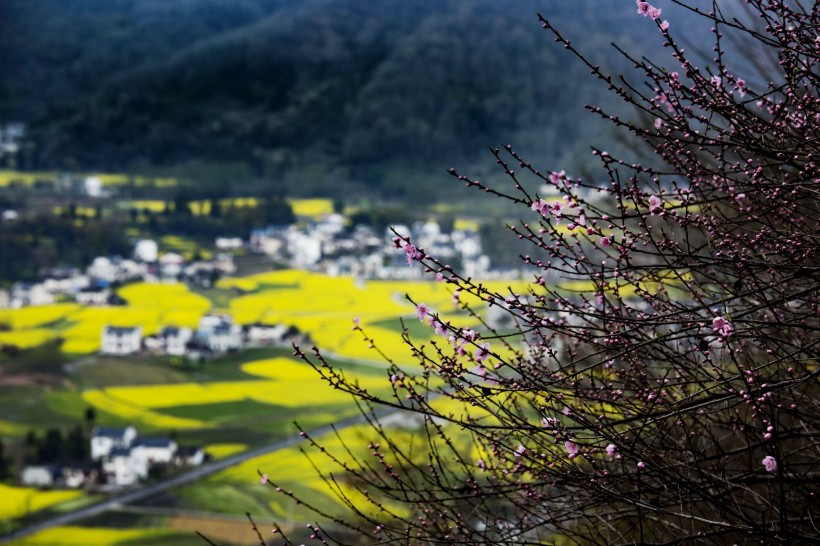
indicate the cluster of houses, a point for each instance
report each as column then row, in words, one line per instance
column 215, row 334
column 118, row 457
column 329, row 246
column 93, row 285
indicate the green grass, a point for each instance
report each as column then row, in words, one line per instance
column 228, row 498
column 220, row 298
column 98, row 372
column 223, row 411
column 416, row 329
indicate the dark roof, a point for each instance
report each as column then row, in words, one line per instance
column 152, row 442
column 120, row 452
column 109, row 432
column 120, row 329
column 188, row 451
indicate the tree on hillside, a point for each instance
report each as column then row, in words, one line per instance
column 656, row 380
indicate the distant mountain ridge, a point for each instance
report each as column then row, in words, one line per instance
column 109, row 84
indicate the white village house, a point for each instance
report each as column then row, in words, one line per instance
column 127, row 458
column 219, row 333
column 105, row 439
column 119, row 340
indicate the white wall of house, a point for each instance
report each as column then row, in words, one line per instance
column 103, row 443
column 121, row 341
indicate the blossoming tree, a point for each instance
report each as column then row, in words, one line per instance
column 657, row 381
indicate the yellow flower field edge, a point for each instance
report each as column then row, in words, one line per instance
column 16, row 502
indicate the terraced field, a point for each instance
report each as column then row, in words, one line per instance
column 227, row 405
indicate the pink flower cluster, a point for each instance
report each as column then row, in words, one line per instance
column 647, row 10
column 722, row 327
column 554, row 208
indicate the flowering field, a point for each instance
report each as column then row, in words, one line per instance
column 150, row 305
column 286, row 383
column 311, row 208
column 16, row 502
column 92, row 536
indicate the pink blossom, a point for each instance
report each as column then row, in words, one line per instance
column 566, row 411
column 645, row 9
column 548, row 421
column 665, row 25
column 641, row 465
column 716, row 81
column 520, row 451
column 440, row 328
column 654, row 203
column 658, row 123
column 606, row 242
column 722, row 326
column 740, row 86
column 571, row 447
column 421, row 311
column 540, row 206
column 769, row 463
column 610, row 450
column 556, row 209
column 483, row 352
column 264, row 479
column 456, row 295
column 412, row 254
column 481, row 464
column 557, row 176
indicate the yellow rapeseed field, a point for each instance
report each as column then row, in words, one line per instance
column 91, row 536
column 16, row 502
column 221, row 451
column 30, row 317
column 289, row 383
column 25, row 178
column 137, row 414
column 311, row 208
column 26, row 339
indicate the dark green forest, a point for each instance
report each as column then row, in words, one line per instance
column 326, row 95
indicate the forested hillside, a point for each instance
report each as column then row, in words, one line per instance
column 340, row 89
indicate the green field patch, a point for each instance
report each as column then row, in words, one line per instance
column 415, row 328
column 101, row 372
column 223, row 411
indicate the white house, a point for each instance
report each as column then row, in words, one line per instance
column 266, row 333
column 39, row 475
column 26, row 294
column 155, row 451
column 118, row 340
column 175, row 339
column 103, row 269
column 225, row 337
column 189, row 456
column 122, row 468
column 105, row 439
column 93, row 186
column 146, row 251
column 219, row 333
column 93, row 295
column 228, row 243
column 171, row 264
